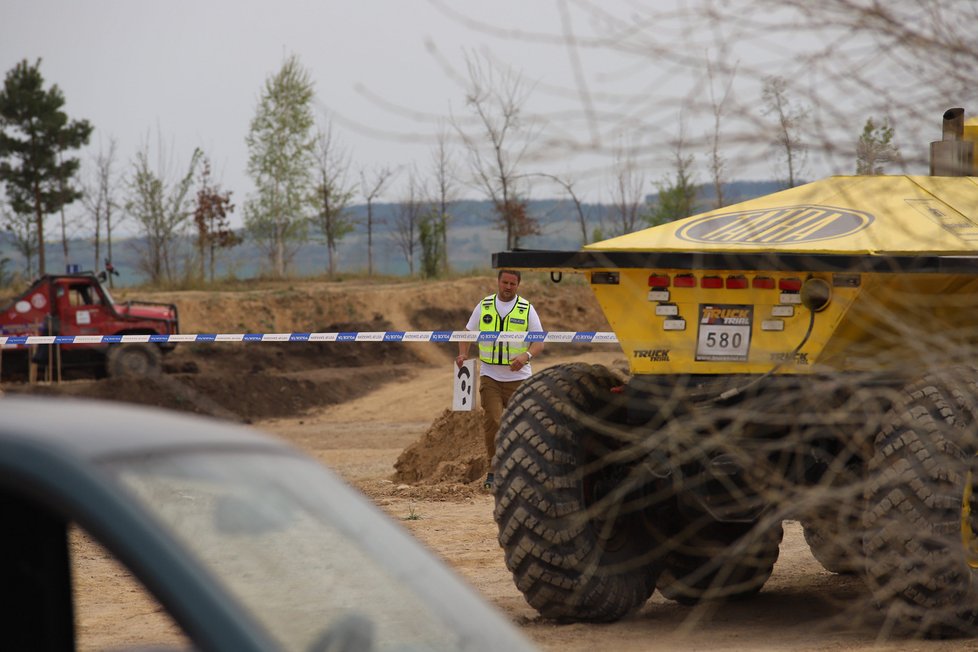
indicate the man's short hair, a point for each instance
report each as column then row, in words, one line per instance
column 509, row 271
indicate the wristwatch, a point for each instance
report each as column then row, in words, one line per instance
column 529, row 356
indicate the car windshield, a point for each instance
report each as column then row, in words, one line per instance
column 307, row 556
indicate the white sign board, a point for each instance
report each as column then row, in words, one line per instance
column 463, row 397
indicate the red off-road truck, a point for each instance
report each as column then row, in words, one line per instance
column 79, row 311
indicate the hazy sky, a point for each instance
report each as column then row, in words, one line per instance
column 191, row 72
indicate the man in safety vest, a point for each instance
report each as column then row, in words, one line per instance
column 504, row 365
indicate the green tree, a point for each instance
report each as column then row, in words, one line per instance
column 408, row 214
column 34, row 135
column 677, row 196
column 626, row 192
column 444, row 192
column 100, row 202
column 568, row 185
column 790, row 118
column 281, row 162
column 497, row 144
column 431, row 236
column 372, row 187
column 162, row 208
column 717, row 160
column 20, row 227
column 875, row 148
column 676, row 200
column 211, row 217
column 332, row 195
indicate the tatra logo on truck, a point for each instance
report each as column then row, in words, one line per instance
column 785, row 225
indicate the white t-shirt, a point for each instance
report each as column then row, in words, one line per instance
column 502, row 372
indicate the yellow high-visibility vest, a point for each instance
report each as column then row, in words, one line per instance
column 517, row 320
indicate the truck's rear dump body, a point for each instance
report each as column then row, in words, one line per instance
column 845, row 274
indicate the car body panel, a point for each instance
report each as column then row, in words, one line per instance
column 64, row 457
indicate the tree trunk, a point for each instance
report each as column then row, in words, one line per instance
column 64, row 237
column 370, row 240
column 39, row 218
column 279, row 251
column 108, row 242
column 443, row 217
column 98, row 244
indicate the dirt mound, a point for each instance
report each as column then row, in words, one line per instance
column 288, row 357
column 250, row 381
column 436, row 318
column 244, row 397
column 452, row 450
column 245, row 381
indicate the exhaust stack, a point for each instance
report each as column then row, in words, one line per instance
column 954, row 155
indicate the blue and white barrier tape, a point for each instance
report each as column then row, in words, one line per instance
column 368, row 336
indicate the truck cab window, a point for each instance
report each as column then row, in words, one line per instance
column 83, row 295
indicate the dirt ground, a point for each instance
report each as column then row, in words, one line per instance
column 802, row 606
column 378, row 415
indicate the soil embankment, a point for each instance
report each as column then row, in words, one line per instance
column 377, row 414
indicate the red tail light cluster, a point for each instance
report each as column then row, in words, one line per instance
column 732, row 282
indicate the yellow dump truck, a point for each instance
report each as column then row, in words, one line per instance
column 808, row 355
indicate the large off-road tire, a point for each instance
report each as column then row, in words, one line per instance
column 834, row 528
column 578, row 551
column 919, row 521
column 836, row 543
column 719, row 561
column 134, row 360
column 833, row 520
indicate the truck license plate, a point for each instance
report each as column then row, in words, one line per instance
column 724, row 332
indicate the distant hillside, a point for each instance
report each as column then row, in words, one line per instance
column 738, row 191
column 473, row 237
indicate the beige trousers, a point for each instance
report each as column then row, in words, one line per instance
column 494, row 396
